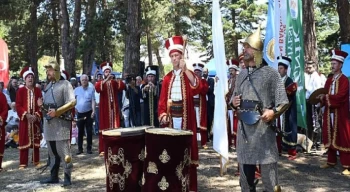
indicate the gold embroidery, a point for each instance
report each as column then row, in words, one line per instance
column 145, row 152
column 118, row 159
column 164, row 157
column 152, row 168
column 151, row 105
column 142, row 155
column 184, row 98
column 163, row 184
column 143, row 180
column 179, row 169
column 332, row 141
column 169, row 97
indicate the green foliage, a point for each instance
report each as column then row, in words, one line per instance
column 161, row 19
column 327, row 30
column 3, row 30
column 167, row 68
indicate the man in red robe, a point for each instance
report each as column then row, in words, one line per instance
column 175, row 107
column 232, row 117
column 200, row 104
column 30, row 117
column 109, row 110
column 336, row 131
column 3, row 117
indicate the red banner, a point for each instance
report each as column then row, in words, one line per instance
column 4, row 62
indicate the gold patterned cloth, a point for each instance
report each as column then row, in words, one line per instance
column 124, row 157
column 167, row 160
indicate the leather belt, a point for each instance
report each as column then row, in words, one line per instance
column 249, row 111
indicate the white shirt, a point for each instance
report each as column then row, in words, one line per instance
column 11, row 117
column 125, row 101
column 176, row 94
column 312, row 82
column 141, row 100
column 97, row 98
column 332, row 93
column 323, row 79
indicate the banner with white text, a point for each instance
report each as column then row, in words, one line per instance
column 295, row 50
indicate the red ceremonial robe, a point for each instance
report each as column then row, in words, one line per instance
column 188, row 122
column 203, row 111
column 109, row 110
column 337, row 138
column 3, row 117
column 29, row 133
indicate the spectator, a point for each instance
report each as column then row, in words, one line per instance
column 5, row 93
column 12, row 118
column 133, row 93
column 12, row 88
column 85, row 110
column 97, row 113
column 74, row 133
column 140, row 84
column 312, row 83
column 73, row 82
column 12, row 139
column 125, row 109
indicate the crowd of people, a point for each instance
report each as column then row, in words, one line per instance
column 261, row 103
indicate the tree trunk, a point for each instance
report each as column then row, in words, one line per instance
column 344, row 20
column 33, row 37
column 310, row 41
column 160, row 64
column 132, row 40
column 55, row 11
column 70, row 42
column 149, row 47
column 149, row 41
column 90, row 40
column 234, row 36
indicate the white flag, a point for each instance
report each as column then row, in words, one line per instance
column 220, row 142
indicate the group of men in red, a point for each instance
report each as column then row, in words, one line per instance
column 30, row 118
column 183, row 99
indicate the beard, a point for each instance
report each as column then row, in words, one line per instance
column 248, row 57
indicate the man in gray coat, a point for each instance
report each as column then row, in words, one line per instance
column 259, row 97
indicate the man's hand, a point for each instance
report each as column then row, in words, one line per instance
column 52, row 113
column 236, row 101
column 216, row 79
column 182, row 65
column 321, row 96
column 92, row 114
column 267, row 115
column 40, row 102
column 146, row 88
column 165, row 120
column 109, row 77
column 30, row 118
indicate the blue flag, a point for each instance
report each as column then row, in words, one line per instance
column 269, row 41
column 93, row 68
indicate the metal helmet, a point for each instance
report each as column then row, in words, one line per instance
column 54, row 65
column 255, row 42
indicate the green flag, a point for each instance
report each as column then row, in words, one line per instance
column 295, row 50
